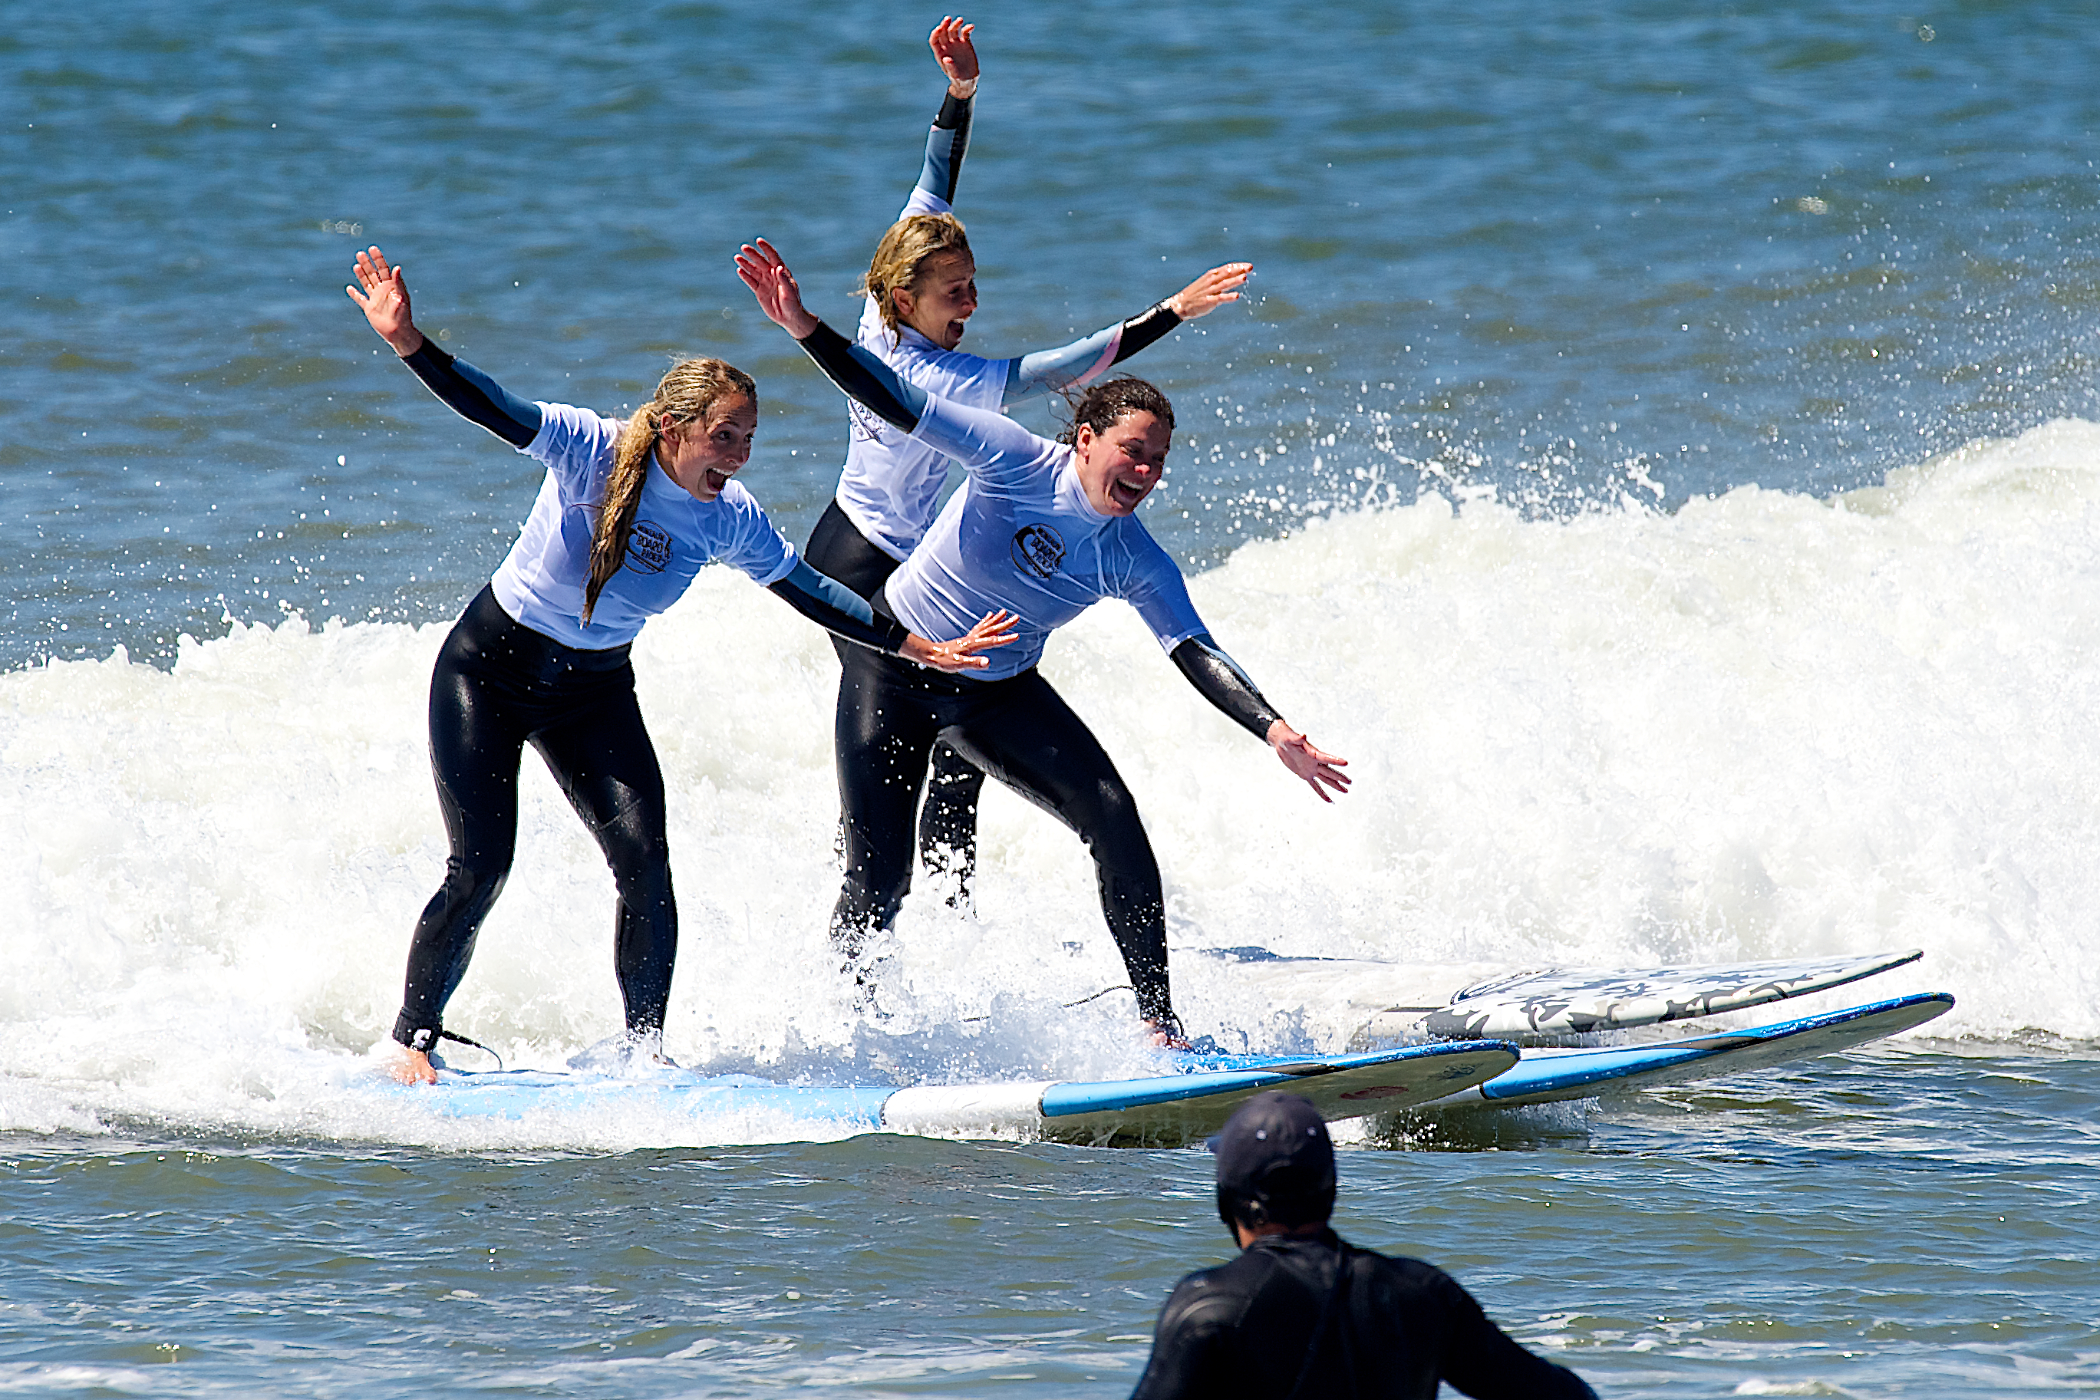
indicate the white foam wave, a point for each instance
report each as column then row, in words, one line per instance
column 1764, row 726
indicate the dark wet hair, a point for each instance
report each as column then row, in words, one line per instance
column 1275, row 1163
column 1100, row 406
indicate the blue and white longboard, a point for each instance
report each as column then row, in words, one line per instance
column 1159, row 1110
column 1543, row 1076
column 1579, row 1001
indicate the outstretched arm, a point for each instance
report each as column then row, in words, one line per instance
column 1218, row 679
column 950, row 138
column 382, row 294
column 838, row 609
column 972, row 436
column 1047, row 371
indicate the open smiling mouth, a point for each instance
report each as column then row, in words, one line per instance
column 1127, row 493
column 716, row 480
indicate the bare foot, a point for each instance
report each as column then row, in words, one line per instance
column 1166, row 1035
column 411, row 1066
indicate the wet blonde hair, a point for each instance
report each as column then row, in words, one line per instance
column 903, row 254
column 685, row 395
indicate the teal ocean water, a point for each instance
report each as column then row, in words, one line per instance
column 1661, row 450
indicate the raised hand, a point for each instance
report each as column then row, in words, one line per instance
column 1210, row 291
column 1309, row 763
column 766, row 273
column 994, row 629
column 952, row 49
column 383, row 296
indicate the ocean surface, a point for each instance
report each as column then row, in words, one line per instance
column 1661, row 450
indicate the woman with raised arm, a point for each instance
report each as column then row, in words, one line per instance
column 921, row 291
column 626, row 517
column 1040, row 530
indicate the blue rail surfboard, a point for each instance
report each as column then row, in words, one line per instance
column 1183, row 1105
column 1543, row 1076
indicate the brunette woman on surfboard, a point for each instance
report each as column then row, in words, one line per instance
column 1041, row 530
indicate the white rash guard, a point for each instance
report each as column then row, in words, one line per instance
column 541, row 581
column 1021, row 535
column 891, row 483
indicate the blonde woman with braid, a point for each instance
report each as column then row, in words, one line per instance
column 626, row 517
column 921, row 290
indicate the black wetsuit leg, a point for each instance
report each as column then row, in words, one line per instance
column 885, row 731
column 498, row 686
column 603, row 759
column 1023, row 733
column 838, row 548
column 1027, row 737
column 948, row 817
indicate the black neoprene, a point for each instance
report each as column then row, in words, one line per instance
column 1143, row 329
column 865, row 379
column 474, row 396
column 806, row 592
column 1218, row 679
column 945, row 146
column 498, row 686
column 1314, row 1316
column 1020, row 731
column 948, row 815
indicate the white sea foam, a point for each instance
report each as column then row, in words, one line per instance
column 1764, row 726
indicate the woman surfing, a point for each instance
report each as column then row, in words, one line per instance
column 1040, row 531
column 921, row 291
column 627, row 515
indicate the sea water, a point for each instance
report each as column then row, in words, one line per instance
column 1660, row 450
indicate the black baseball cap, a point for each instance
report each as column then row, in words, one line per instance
column 1274, row 1153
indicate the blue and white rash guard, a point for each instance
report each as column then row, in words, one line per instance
column 1021, row 535
column 891, row 484
column 541, row 582
column 1059, row 554
column 675, row 535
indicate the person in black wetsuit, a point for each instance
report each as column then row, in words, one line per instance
column 1041, row 530
column 627, row 515
column 1303, row 1313
column 921, row 288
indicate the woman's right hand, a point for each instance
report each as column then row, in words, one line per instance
column 384, row 300
column 766, row 273
column 994, row 629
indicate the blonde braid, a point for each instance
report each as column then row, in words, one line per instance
column 685, row 395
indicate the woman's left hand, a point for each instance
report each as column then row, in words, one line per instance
column 1210, row 291
column 766, row 273
column 994, row 629
column 952, row 49
column 1309, row 763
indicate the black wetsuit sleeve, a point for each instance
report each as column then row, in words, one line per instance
column 1218, row 678
column 838, row 609
column 945, row 146
column 1191, row 1346
column 865, row 379
column 1483, row 1361
column 474, row 396
column 1144, row 328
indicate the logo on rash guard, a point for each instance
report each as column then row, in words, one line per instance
column 866, row 424
column 1038, row 549
column 648, row 548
